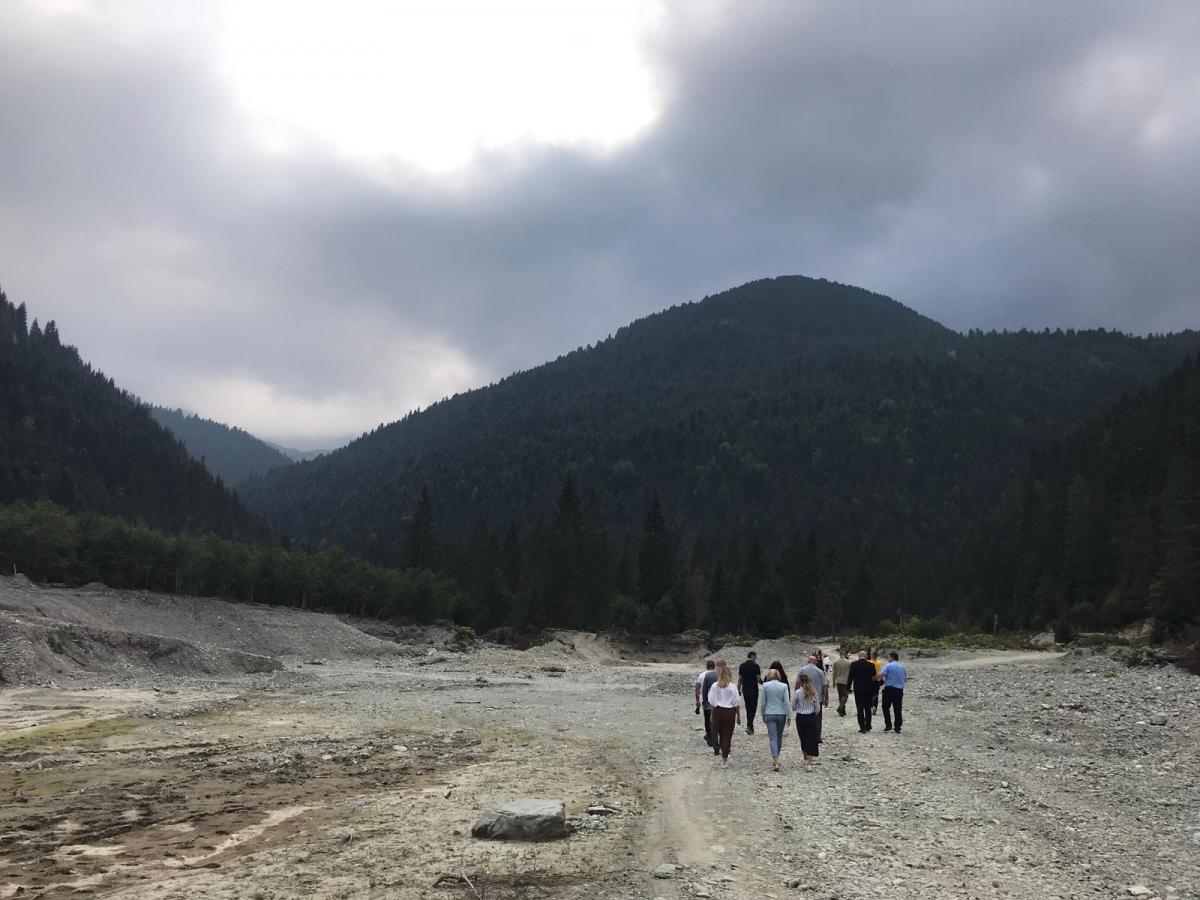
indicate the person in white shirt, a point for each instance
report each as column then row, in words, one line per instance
column 806, row 704
column 726, row 705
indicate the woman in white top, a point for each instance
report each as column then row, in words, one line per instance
column 806, row 705
column 726, row 705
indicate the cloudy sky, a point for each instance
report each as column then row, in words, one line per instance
column 309, row 218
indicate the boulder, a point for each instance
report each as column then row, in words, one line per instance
column 1159, row 719
column 524, row 820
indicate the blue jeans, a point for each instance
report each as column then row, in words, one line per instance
column 775, row 726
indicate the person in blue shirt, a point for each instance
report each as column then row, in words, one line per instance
column 776, row 711
column 894, row 676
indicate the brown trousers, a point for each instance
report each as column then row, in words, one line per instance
column 724, row 718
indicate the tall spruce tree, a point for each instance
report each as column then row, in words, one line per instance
column 422, row 544
column 656, row 564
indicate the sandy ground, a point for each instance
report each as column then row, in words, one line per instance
column 1018, row 775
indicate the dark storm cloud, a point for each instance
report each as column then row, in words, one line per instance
column 990, row 164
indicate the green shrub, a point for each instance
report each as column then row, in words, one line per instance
column 1063, row 632
column 929, row 628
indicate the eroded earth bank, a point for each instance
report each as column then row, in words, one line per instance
column 154, row 747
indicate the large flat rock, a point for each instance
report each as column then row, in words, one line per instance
column 524, row 820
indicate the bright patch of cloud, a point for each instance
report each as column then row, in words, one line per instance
column 432, row 82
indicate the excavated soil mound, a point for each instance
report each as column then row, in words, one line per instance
column 68, row 649
column 49, row 632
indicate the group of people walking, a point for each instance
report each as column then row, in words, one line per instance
column 721, row 699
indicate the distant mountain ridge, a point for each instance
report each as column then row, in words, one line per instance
column 295, row 455
column 68, row 434
column 230, row 453
column 784, row 404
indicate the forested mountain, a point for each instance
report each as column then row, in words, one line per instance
column 230, row 453
column 1104, row 529
column 788, row 419
column 68, row 434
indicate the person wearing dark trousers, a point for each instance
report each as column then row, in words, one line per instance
column 820, row 684
column 806, row 704
column 749, row 678
column 726, row 709
column 893, row 676
column 703, row 682
column 861, row 681
column 841, row 671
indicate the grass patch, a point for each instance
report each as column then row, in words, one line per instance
column 39, row 784
column 58, row 735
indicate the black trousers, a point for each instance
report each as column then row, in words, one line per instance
column 808, row 729
column 710, row 734
column 893, row 700
column 862, row 706
column 750, row 698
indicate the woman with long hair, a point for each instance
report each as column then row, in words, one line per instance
column 806, row 704
column 778, row 667
column 726, row 705
column 775, row 712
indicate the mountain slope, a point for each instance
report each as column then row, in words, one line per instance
column 1105, row 527
column 68, row 434
column 784, row 403
column 233, row 455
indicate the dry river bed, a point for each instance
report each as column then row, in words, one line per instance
column 1016, row 776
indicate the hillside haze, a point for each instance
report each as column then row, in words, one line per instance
column 787, row 404
column 230, row 453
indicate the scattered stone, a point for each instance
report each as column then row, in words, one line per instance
column 524, row 820
column 600, row 810
column 1159, row 719
column 666, row 870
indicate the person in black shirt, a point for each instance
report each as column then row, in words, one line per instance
column 749, row 678
column 861, row 681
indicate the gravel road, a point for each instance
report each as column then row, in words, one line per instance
column 360, row 775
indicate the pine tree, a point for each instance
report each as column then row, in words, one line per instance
column 422, row 547
column 655, row 559
column 1176, row 594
